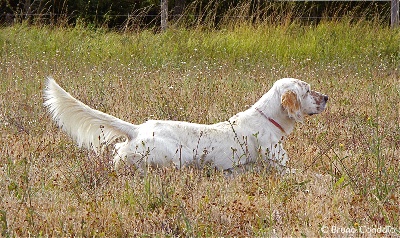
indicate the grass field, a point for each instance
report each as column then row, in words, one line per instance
column 347, row 158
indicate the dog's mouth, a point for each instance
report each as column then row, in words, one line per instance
column 319, row 110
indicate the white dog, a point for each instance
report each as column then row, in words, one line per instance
column 254, row 134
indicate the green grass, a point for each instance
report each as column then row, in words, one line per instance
column 347, row 158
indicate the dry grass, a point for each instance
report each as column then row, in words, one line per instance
column 347, row 158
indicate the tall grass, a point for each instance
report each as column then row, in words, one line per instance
column 347, row 158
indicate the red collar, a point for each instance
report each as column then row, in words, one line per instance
column 271, row 120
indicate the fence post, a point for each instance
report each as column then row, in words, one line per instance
column 394, row 13
column 164, row 15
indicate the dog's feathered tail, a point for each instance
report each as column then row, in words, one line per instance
column 89, row 128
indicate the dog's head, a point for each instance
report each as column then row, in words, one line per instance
column 298, row 100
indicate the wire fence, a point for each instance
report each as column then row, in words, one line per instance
column 171, row 16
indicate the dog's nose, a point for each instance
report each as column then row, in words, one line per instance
column 326, row 98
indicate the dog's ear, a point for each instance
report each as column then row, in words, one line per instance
column 291, row 104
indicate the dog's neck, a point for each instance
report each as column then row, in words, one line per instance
column 276, row 113
column 271, row 120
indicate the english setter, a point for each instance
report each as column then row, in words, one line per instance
column 256, row 133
